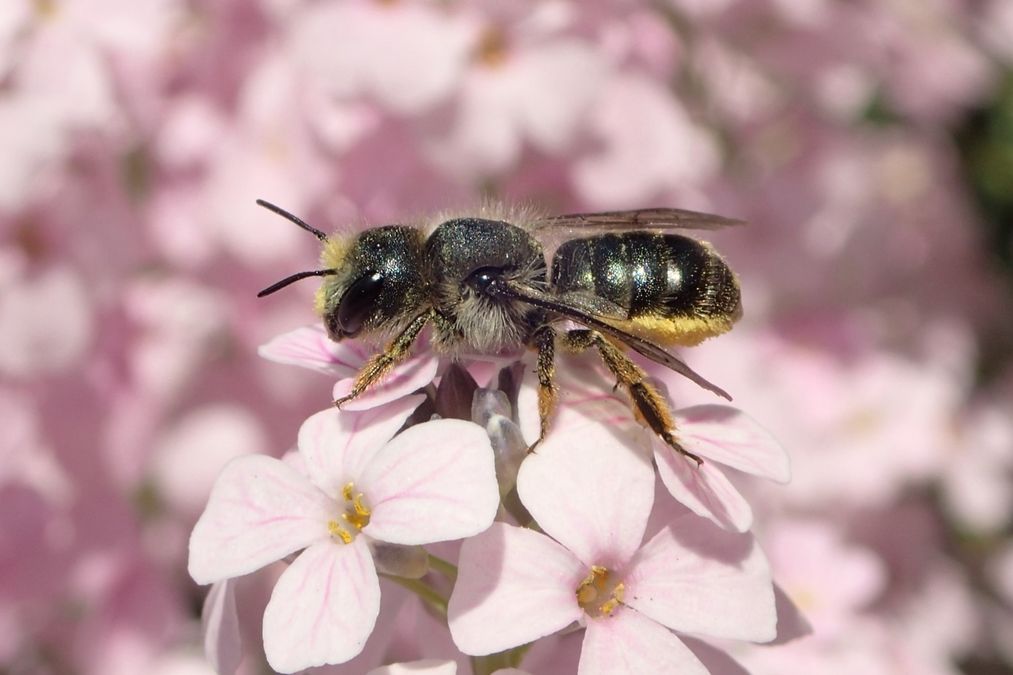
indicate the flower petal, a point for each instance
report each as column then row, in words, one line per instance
column 630, row 643
column 259, row 511
column 309, row 347
column 337, row 444
column 696, row 578
column 407, row 377
column 433, row 482
column 730, row 437
column 704, row 489
column 423, row 667
column 513, row 586
column 590, row 484
column 323, row 607
column 223, row 646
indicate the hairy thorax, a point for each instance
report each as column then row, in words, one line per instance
column 468, row 320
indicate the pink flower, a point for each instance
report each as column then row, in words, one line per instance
column 406, row 57
column 432, row 482
column 46, row 323
column 223, row 646
column 720, row 435
column 830, row 579
column 310, row 347
column 645, row 144
column 590, row 487
column 509, row 97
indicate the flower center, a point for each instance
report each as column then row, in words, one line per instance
column 492, row 48
column 600, row 592
column 352, row 519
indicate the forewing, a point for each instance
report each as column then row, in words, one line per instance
column 589, row 318
column 639, row 219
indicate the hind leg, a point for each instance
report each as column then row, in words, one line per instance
column 648, row 404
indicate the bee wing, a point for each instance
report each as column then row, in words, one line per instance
column 639, row 219
column 570, row 308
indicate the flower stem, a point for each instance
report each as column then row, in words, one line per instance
column 486, row 665
column 447, row 569
column 426, row 593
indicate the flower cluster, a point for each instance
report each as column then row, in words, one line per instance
column 581, row 544
column 857, row 139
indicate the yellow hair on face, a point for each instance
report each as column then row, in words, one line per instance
column 331, row 257
column 335, row 249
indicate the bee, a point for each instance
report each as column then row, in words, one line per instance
column 483, row 285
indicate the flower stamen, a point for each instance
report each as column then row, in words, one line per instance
column 600, row 593
column 356, row 515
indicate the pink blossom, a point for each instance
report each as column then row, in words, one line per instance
column 590, row 488
column 508, row 97
column 832, row 581
column 220, row 624
column 720, row 435
column 310, row 347
column 977, row 484
column 191, row 453
column 406, row 56
column 432, row 482
column 46, row 323
column 648, row 145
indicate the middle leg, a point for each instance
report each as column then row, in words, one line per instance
column 544, row 340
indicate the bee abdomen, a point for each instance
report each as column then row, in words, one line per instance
column 673, row 289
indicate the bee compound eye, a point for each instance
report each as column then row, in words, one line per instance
column 358, row 302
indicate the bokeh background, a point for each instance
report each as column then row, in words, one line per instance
column 869, row 144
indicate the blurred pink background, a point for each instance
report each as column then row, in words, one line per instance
column 869, row 144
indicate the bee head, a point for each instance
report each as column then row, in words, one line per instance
column 372, row 280
column 377, row 283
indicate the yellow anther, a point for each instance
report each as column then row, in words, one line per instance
column 586, row 594
column 492, row 48
column 356, row 512
column 360, row 508
column 599, row 594
column 339, row 532
column 45, row 8
column 608, row 607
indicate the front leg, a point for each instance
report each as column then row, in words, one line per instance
column 395, row 352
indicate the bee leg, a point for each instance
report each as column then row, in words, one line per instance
column 648, row 403
column 381, row 363
column 544, row 340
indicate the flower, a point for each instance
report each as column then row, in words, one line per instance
column 432, row 482
column 590, row 488
column 310, row 347
column 717, row 434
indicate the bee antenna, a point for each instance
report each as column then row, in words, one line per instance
column 294, row 278
column 294, row 218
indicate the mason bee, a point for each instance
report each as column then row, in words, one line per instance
column 483, row 285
